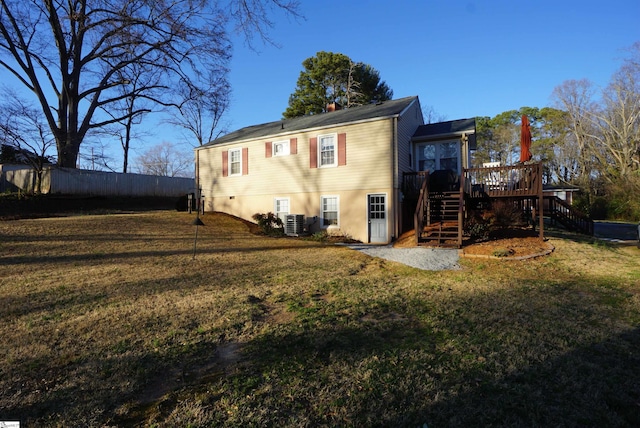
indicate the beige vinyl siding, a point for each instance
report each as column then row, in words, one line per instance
column 352, row 214
column 407, row 126
column 368, row 170
column 368, row 155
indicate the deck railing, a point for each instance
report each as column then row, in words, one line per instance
column 412, row 182
column 420, row 179
column 503, row 181
column 461, row 210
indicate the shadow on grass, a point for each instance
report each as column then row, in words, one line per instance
column 99, row 256
column 434, row 358
column 394, row 370
column 593, row 386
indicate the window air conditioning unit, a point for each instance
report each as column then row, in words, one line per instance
column 294, row 224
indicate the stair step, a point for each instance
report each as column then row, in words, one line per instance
column 440, row 244
column 441, row 218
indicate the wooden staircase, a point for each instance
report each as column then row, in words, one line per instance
column 572, row 219
column 440, row 199
column 438, row 216
column 441, row 225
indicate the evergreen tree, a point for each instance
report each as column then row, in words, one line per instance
column 330, row 78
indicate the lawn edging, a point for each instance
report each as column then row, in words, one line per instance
column 550, row 248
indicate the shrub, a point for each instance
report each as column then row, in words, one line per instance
column 503, row 252
column 321, row 236
column 622, row 199
column 599, row 208
column 582, row 203
column 506, row 214
column 477, row 225
column 269, row 223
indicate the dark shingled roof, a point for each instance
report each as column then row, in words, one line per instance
column 323, row 120
column 442, row 129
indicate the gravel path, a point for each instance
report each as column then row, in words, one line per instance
column 419, row 258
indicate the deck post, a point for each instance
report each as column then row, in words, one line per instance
column 540, row 201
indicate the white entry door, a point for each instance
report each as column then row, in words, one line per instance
column 377, row 218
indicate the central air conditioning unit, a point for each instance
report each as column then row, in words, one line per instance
column 294, row 224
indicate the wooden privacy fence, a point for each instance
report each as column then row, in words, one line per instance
column 69, row 181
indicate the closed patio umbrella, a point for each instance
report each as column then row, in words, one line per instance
column 525, row 140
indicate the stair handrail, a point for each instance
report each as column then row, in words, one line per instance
column 418, row 216
column 578, row 219
column 461, row 209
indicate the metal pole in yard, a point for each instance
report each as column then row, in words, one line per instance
column 197, row 222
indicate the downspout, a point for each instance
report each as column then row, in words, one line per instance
column 394, row 174
column 197, row 175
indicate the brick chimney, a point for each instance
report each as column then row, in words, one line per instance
column 333, row 107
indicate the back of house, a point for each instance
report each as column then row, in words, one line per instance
column 338, row 171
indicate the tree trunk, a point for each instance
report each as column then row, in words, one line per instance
column 67, row 153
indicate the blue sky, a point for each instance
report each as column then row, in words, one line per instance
column 463, row 58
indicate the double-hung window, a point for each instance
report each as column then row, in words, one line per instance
column 327, row 150
column 281, row 208
column 235, row 162
column 329, row 206
column 281, row 148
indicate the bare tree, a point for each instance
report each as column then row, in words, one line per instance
column 70, row 54
column 431, row 115
column 575, row 97
column 352, row 89
column 604, row 138
column 605, row 135
column 132, row 107
column 616, row 123
column 201, row 113
column 167, row 160
column 96, row 155
column 24, row 129
column 507, row 136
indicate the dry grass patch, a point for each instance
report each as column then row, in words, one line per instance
column 110, row 321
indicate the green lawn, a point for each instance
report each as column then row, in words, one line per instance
column 110, row 321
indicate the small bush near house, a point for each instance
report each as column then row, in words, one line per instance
column 269, row 223
column 321, row 236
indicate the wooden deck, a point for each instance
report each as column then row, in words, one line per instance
column 504, row 181
column 518, row 182
column 440, row 200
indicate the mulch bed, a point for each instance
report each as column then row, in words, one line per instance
column 501, row 243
